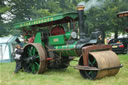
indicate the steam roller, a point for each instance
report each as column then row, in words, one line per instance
column 63, row 38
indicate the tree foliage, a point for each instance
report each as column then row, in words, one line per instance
column 3, row 27
column 102, row 17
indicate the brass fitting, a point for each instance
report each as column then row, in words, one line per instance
column 80, row 7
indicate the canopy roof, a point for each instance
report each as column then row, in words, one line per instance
column 8, row 39
column 49, row 20
column 122, row 14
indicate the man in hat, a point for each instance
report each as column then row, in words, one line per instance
column 17, row 58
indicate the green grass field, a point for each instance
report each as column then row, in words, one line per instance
column 60, row 77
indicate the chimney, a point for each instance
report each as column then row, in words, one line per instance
column 80, row 10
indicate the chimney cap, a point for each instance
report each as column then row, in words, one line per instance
column 80, row 7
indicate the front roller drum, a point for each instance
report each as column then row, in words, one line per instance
column 99, row 64
column 34, row 57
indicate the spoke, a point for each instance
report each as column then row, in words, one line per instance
column 87, row 75
column 29, row 68
column 37, row 56
column 37, row 65
column 33, row 51
column 93, row 62
column 33, row 68
column 90, row 72
column 29, row 52
column 93, row 74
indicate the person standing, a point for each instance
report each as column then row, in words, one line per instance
column 18, row 59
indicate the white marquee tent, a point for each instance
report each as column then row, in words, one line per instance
column 7, row 48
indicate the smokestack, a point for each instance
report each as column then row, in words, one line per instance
column 80, row 9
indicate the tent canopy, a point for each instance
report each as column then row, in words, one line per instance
column 10, row 39
column 6, row 48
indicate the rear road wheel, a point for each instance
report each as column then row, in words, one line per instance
column 34, row 57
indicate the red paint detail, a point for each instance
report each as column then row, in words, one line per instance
column 49, row 59
column 57, row 30
column 121, row 46
column 31, row 39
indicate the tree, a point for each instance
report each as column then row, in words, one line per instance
column 105, row 18
column 3, row 8
column 101, row 16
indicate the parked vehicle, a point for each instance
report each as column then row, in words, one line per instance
column 122, row 48
column 120, row 45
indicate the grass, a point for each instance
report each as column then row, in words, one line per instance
column 60, row 77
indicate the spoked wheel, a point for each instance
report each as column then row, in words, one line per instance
column 34, row 57
column 89, row 74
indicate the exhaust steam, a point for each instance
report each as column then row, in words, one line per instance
column 92, row 3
